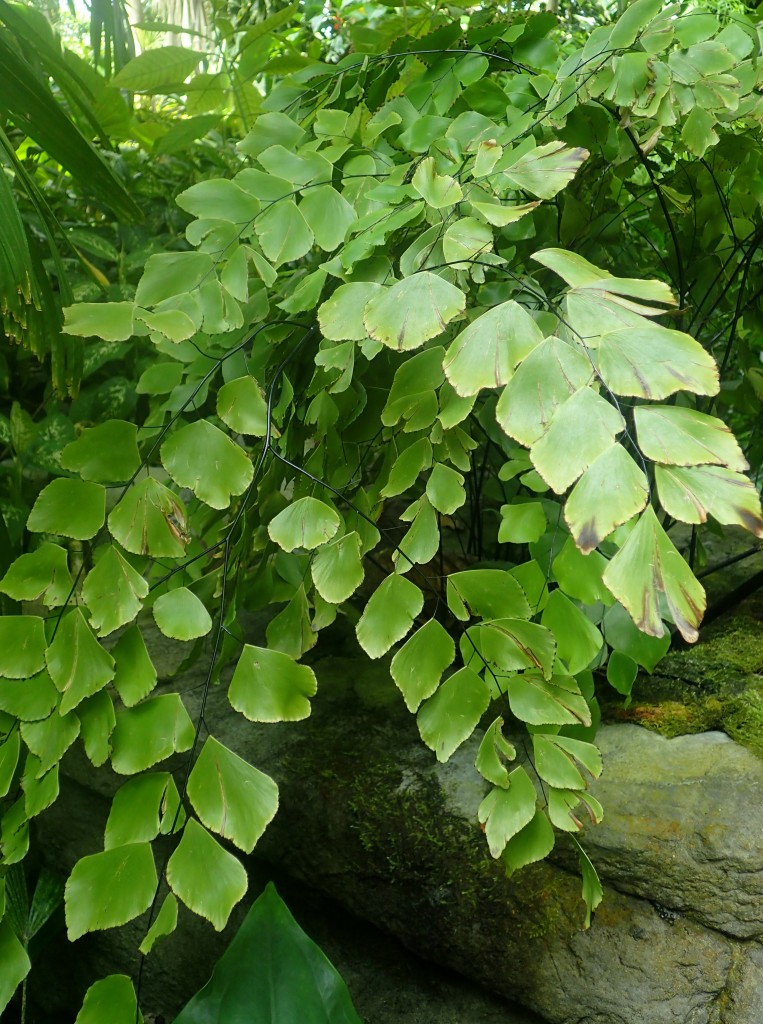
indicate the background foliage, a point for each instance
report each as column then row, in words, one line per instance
column 422, row 318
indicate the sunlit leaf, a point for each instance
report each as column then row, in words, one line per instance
column 647, row 566
column 341, row 316
column 485, row 354
column 219, row 199
column 677, row 436
column 690, row 494
column 611, row 491
column 544, row 171
column 413, row 310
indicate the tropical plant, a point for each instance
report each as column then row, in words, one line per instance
column 407, row 365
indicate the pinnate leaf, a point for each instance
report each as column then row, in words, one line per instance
column 546, row 170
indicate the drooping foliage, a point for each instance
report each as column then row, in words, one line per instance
column 438, row 352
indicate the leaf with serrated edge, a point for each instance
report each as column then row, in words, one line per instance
column 492, row 750
column 647, row 565
column 69, row 508
column 555, row 701
column 107, row 452
column 93, row 901
column 485, row 354
column 230, row 796
column 42, row 574
column 180, row 614
column 487, row 593
column 337, row 569
column 150, row 732
column 544, row 171
column 150, row 519
column 419, row 664
column 341, row 316
column 77, row 663
column 610, row 492
column 204, row 876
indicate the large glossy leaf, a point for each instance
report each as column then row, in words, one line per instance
column 690, row 494
column 22, row 646
column 269, row 686
column 77, row 663
column 485, row 354
column 419, row 664
column 648, row 566
column 596, row 507
column 200, row 456
column 230, row 796
column 70, row 508
column 150, row 519
column 413, row 310
column 389, row 615
column 547, row 377
column 149, row 732
column 113, row 999
column 271, row 973
column 452, row 714
column 204, row 876
column 306, row 523
column 113, row 592
column 677, row 436
column 93, row 901
column 507, row 809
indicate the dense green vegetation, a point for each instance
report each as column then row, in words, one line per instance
column 430, row 319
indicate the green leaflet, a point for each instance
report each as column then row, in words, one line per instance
column 172, row 273
column 546, row 170
column 691, row 494
column 113, row 592
column 522, row 523
column 77, row 663
column 437, row 190
column 50, row 738
column 204, row 876
column 164, row 924
column 268, row 686
column 135, row 675
column 445, row 489
column 188, row 454
column 111, row 998
column 413, row 310
column 595, row 508
column 28, row 699
column 466, row 241
column 452, row 714
column 219, row 199
column 283, row 232
column 150, row 732
column 413, row 385
column 159, row 71
column 22, row 646
column 42, row 574
column 337, row 568
column 510, row 645
column 684, row 437
column 92, row 899
column 487, row 593
column 389, row 615
column 112, row 321
column 306, row 523
column 555, row 701
column 328, row 216
column 493, row 750
column 555, row 758
column 649, row 565
column 16, row 963
column 69, row 508
column 507, row 809
column 532, row 843
column 97, row 721
column 241, row 406
column 419, row 664
column 341, row 316
column 150, row 519
column 230, row 796
column 485, row 354
column 141, row 809
column 180, row 614
column 578, row 641
column 107, row 453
